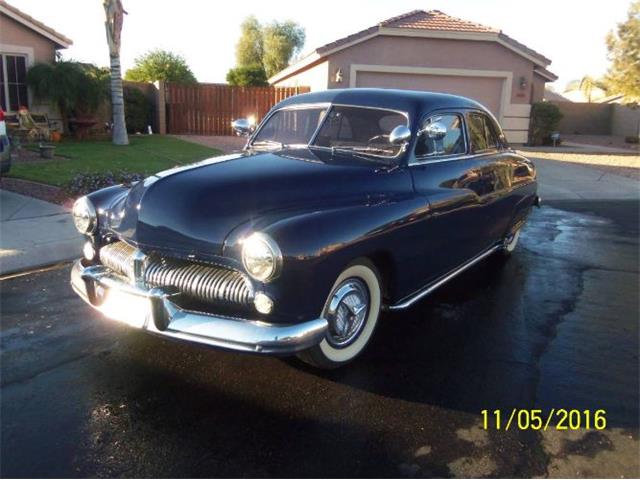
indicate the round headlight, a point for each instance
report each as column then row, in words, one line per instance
column 84, row 215
column 261, row 257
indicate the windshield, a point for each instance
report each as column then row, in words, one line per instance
column 289, row 127
column 360, row 129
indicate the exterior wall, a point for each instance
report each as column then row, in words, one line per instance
column 16, row 38
column 478, row 69
column 537, row 89
column 435, row 52
column 585, row 118
column 316, row 77
column 625, row 121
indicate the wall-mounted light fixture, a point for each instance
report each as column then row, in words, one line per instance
column 523, row 83
column 339, row 76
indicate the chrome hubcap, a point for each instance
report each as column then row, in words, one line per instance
column 347, row 312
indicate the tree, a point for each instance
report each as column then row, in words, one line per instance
column 160, row 65
column 624, row 53
column 281, row 42
column 115, row 15
column 268, row 48
column 249, row 49
column 75, row 88
column 587, row 86
column 253, row 75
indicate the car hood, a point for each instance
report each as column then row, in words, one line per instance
column 192, row 209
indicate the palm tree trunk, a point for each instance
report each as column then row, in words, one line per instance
column 119, row 133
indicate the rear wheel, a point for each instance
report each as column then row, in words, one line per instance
column 352, row 311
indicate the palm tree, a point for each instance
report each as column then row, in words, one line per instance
column 588, row 86
column 115, row 14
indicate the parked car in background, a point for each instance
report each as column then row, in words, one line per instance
column 5, row 146
column 344, row 203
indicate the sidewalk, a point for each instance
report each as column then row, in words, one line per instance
column 34, row 233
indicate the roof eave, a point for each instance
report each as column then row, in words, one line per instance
column 546, row 74
column 59, row 40
column 496, row 36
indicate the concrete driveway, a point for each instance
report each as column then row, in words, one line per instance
column 570, row 181
column 554, row 327
column 34, row 233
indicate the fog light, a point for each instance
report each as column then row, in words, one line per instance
column 88, row 251
column 263, row 303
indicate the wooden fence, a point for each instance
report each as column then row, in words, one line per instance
column 209, row 109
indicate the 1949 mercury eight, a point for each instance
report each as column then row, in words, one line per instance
column 343, row 203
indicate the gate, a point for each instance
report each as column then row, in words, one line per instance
column 209, row 108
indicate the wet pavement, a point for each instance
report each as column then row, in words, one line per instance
column 555, row 326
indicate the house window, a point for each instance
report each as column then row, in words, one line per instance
column 13, row 82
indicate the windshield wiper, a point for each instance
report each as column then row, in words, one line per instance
column 266, row 143
column 365, row 150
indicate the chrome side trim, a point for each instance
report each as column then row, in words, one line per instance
column 165, row 318
column 430, row 287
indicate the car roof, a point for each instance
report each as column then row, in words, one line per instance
column 410, row 101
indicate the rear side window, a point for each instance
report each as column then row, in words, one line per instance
column 481, row 132
column 451, row 144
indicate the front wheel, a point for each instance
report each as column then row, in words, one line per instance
column 352, row 311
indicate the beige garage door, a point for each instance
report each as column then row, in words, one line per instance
column 487, row 91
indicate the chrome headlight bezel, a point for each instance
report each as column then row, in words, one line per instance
column 84, row 216
column 261, row 248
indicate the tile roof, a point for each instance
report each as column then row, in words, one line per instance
column 435, row 20
column 430, row 20
column 28, row 19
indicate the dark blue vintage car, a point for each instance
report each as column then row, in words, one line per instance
column 342, row 204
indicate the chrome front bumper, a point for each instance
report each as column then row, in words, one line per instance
column 153, row 311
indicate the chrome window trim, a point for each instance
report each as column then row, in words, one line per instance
column 420, row 160
column 297, row 106
column 328, row 106
column 493, row 149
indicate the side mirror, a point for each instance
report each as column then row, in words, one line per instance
column 399, row 135
column 242, row 127
column 435, row 130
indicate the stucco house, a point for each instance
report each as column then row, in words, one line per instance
column 24, row 41
column 429, row 50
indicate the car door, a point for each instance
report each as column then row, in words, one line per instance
column 456, row 184
column 494, row 160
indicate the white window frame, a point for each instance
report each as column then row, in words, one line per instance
column 16, row 51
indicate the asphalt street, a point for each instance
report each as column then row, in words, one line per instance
column 555, row 326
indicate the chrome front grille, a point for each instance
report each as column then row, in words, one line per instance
column 200, row 282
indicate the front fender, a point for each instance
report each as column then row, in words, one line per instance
column 318, row 244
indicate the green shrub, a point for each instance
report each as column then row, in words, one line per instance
column 138, row 110
column 545, row 118
column 253, row 75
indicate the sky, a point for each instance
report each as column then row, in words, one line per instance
column 570, row 32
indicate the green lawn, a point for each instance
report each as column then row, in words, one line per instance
column 145, row 154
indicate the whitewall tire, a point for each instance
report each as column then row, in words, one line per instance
column 352, row 310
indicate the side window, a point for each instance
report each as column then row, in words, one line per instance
column 481, row 132
column 451, row 144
